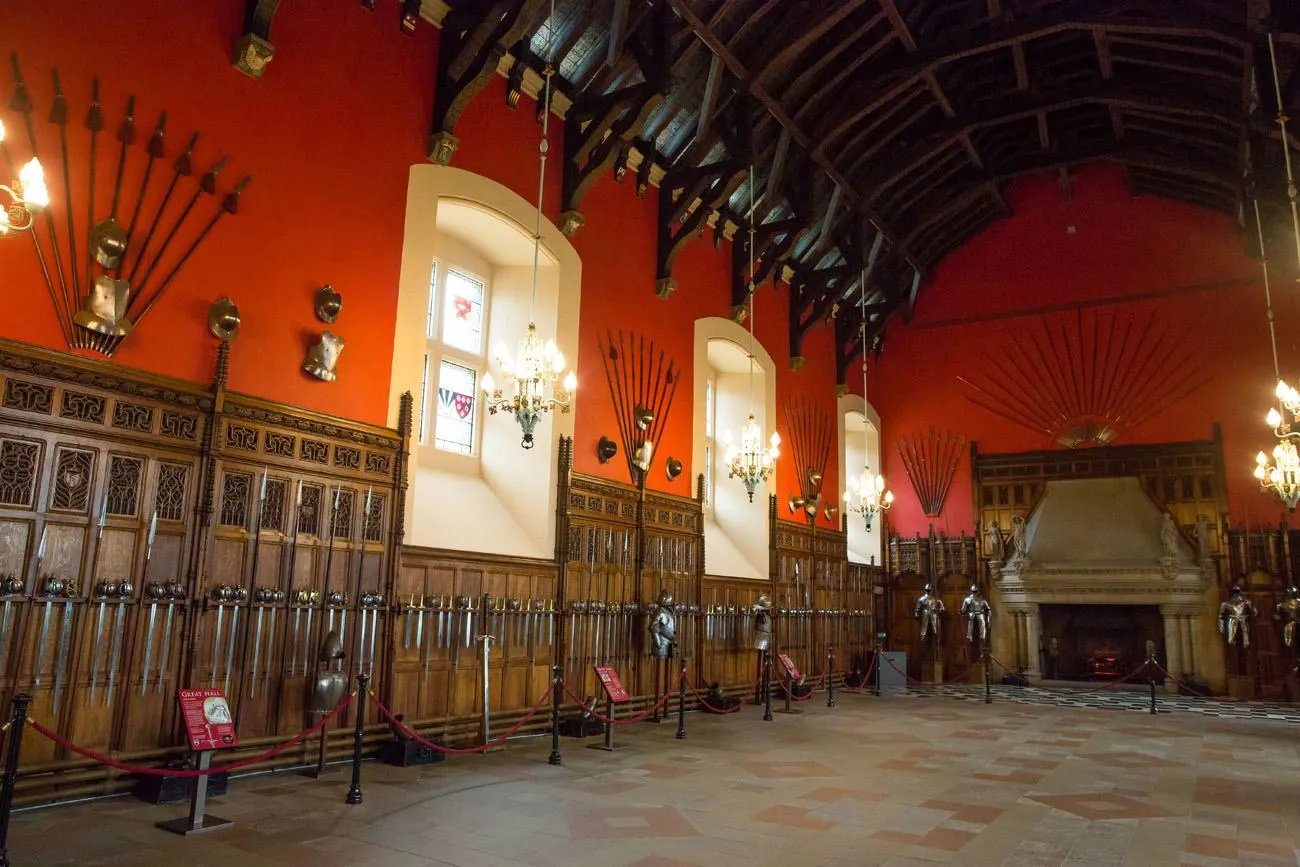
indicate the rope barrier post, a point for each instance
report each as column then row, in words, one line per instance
column 988, row 684
column 830, row 677
column 1151, row 672
column 681, row 702
column 363, row 690
column 557, row 679
column 17, row 723
column 880, row 656
column 767, row 686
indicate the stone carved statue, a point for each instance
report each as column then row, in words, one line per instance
column 993, row 545
column 1288, row 611
column 1169, row 536
column 1202, row 537
column 1019, row 542
column 1234, row 617
column 323, row 356
column 330, row 684
column 763, row 623
column 928, row 609
column 978, row 613
column 663, row 626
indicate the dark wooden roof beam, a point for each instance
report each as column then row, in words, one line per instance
column 821, row 22
column 1022, row 68
column 1044, row 134
column 617, row 31
column 712, row 85
column 1102, row 40
column 936, row 89
column 772, row 106
column 810, row 72
column 899, row 24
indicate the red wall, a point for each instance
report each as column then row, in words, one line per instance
column 329, row 134
column 1185, row 266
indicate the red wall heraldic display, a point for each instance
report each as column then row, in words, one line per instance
column 209, row 725
column 609, row 679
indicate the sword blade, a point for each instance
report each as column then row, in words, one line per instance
column 61, row 662
column 374, row 629
column 5, row 636
column 306, row 642
column 165, row 653
column 148, row 646
column 94, row 648
column 409, row 627
column 119, row 616
column 40, row 645
column 230, row 647
column 216, row 647
column 297, row 636
column 257, row 654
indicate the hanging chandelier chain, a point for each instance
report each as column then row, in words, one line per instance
column 548, row 70
column 750, row 300
column 1286, row 148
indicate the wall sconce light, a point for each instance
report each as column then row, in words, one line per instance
column 606, row 449
column 672, row 468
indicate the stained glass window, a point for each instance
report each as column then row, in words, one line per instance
column 462, row 312
column 457, row 406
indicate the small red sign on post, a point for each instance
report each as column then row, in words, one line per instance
column 614, row 690
column 791, row 670
column 209, row 725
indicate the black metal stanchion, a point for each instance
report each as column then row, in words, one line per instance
column 1151, row 672
column 880, row 663
column 767, row 686
column 363, row 692
column 557, row 687
column 681, row 702
column 17, row 723
column 988, row 684
column 830, row 677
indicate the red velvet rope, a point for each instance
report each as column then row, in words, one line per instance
column 622, row 722
column 1181, row 684
column 753, row 692
column 166, row 772
column 482, row 748
column 866, row 678
column 1114, row 683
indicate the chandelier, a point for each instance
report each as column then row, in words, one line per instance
column 535, row 370
column 752, row 462
column 867, row 494
column 1281, row 475
column 27, row 197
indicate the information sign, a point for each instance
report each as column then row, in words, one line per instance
column 209, row 725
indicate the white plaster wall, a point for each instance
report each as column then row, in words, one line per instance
column 865, row 546
column 735, row 530
column 507, row 503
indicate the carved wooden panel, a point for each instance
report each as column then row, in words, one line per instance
column 125, row 474
column 18, row 462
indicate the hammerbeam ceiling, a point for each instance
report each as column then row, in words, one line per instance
column 871, row 138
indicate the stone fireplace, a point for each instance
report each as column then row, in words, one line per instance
column 1098, row 572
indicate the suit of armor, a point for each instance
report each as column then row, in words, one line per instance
column 928, row 609
column 978, row 613
column 1288, row 611
column 1234, row 617
column 763, row 623
column 663, row 627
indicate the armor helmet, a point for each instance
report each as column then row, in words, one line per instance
column 665, row 598
column 330, row 647
column 1293, row 591
column 764, row 601
column 929, row 589
column 1235, row 591
column 974, row 588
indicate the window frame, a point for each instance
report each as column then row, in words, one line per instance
column 436, row 350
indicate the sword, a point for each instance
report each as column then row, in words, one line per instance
column 410, row 626
column 52, row 586
column 153, row 604
column 12, row 586
column 374, row 631
column 362, row 618
column 293, row 568
column 362, row 599
column 102, row 593
column 256, row 602
column 216, row 642
column 306, row 654
column 166, row 651
column 257, row 648
column 119, row 616
column 297, row 637
column 230, row 647
column 65, row 636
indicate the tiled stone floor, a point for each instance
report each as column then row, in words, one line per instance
column 896, row 781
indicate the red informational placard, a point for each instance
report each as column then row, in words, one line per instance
column 614, row 690
column 209, row 725
column 791, row 669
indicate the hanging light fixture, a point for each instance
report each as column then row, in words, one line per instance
column 1281, row 475
column 537, row 366
column 752, row 462
column 867, row 494
column 28, row 195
